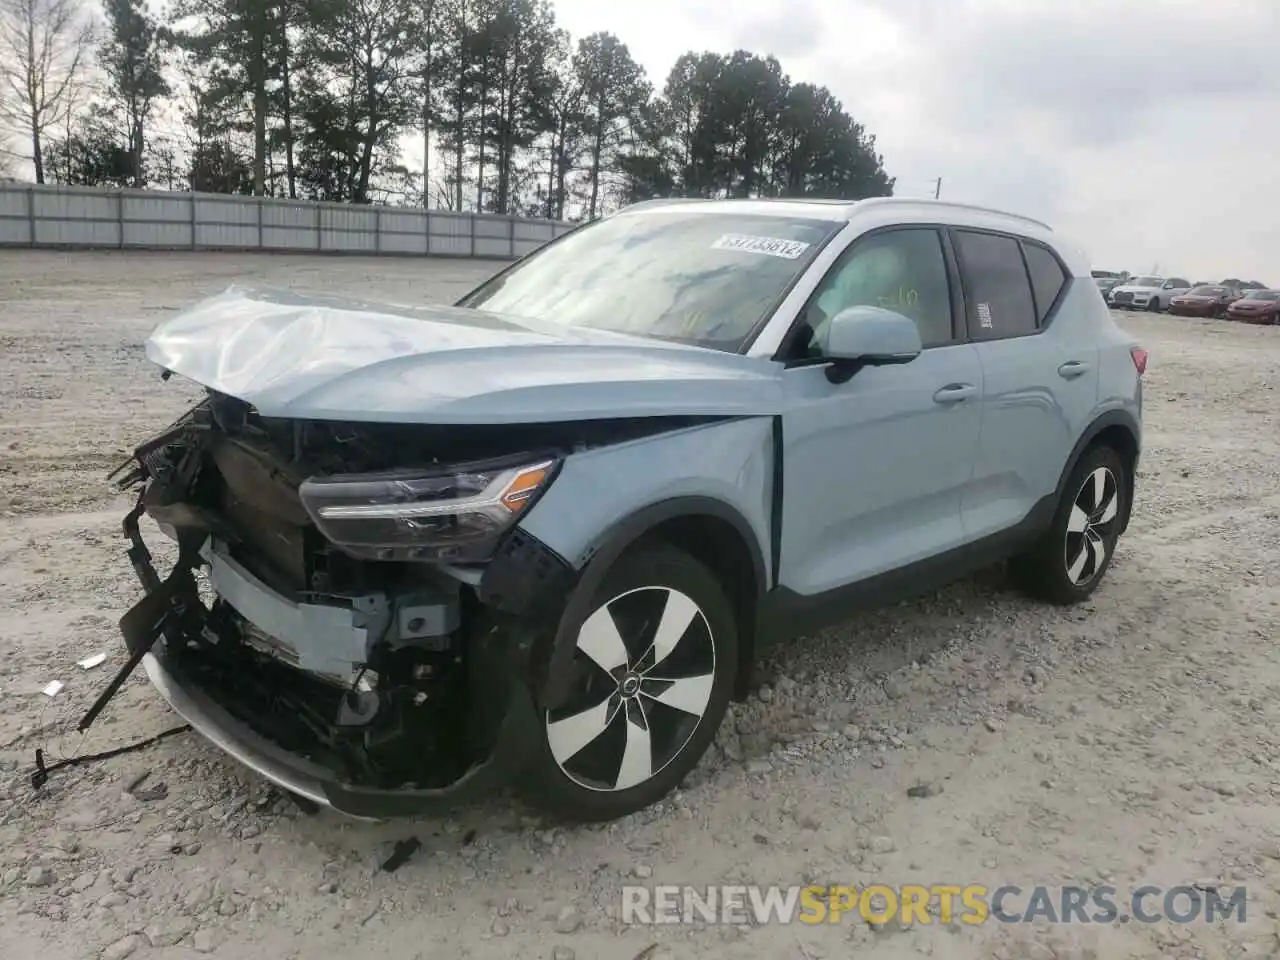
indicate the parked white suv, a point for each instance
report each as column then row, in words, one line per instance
column 1148, row 293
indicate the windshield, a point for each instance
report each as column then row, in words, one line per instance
column 1208, row 291
column 700, row 278
column 1263, row 295
column 1146, row 281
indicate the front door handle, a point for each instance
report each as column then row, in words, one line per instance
column 955, row 392
column 1072, row 369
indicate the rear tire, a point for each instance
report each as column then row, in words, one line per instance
column 1070, row 559
column 654, row 670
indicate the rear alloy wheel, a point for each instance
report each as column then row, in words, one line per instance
column 652, row 675
column 1070, row 558
column 1094, row 514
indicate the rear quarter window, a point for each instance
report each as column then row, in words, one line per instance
column 1047, row 278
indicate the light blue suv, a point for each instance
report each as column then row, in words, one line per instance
column 539, row 537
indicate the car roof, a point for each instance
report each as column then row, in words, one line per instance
column 876, row 212
column 904, row 209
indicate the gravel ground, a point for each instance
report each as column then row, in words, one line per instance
column 1131, row 740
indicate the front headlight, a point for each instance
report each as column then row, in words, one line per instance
column 455, row 515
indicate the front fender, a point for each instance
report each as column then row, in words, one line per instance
column 604, row 500
column 729, row 462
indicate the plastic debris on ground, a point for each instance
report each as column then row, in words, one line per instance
column 404, row 849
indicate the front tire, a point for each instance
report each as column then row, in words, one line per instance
column 1153, row 305
column 1069, row 561
column 654, row 666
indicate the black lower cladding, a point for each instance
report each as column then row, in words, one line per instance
column 785, row 614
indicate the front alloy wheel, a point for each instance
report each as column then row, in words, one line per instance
column 646, row 662
column 650, row 677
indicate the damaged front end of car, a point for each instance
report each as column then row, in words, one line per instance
column 354, row 612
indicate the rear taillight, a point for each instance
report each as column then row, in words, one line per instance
column 1139, row 360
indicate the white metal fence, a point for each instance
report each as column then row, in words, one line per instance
column 95, row 217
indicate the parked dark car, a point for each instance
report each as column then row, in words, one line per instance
column 1204, row 301
column 1256, row 306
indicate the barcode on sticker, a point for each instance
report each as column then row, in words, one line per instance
column 984, row 315
column 769, row 246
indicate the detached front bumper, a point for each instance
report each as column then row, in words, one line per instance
column 170, row 612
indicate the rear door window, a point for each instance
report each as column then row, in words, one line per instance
column 997, row 289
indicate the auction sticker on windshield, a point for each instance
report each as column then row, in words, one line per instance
column 769, row 246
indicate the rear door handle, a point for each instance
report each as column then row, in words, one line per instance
column 1072, row 369
column 954, row 393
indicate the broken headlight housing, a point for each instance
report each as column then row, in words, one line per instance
column 454, row 515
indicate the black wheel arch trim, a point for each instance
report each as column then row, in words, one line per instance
column 606, row 551
column 785, row 614
column 1118, row 417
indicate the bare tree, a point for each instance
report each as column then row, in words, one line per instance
column 7, row 158
column 44, row 45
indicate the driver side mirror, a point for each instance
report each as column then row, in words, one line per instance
column 865, row 336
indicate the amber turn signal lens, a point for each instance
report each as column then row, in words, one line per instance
column 523, row 486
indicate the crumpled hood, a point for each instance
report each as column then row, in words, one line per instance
column 328, row 358
column 1133, row 288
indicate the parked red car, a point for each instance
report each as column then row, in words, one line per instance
column 1207, row 301
column 1256, row 306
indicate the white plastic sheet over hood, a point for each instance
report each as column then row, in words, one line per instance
column 332, row 359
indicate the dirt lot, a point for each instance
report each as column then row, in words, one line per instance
column 1133, row 740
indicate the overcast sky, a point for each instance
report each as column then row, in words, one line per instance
column 1147, row 130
